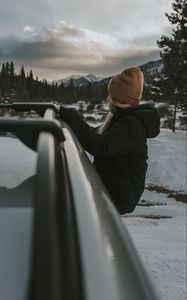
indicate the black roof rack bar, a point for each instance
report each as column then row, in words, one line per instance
column 39, row 107
column 28, row 130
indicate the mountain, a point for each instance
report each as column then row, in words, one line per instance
column 80, row 80
column 149, row 68
column 152, row 67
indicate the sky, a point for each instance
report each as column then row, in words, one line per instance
column 60, row 38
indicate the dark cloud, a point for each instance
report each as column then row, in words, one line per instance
column 65, row 50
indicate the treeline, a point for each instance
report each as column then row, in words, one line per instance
column 23, row 87
column 93, row 91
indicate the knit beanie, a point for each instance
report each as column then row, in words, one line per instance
column 127, row 86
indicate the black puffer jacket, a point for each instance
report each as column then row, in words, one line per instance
column 120, row 152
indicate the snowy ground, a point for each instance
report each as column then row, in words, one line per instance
column 167, row 160
column 162, row 242
column 158, row 224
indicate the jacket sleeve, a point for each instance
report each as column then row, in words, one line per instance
column 117, row 141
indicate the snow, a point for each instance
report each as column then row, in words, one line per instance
column 156, row 79
column 159, row 230
column 167, row 160
column 161, row 243
column 80, row 80
column 165, row 110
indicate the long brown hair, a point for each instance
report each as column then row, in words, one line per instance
column 112, row 104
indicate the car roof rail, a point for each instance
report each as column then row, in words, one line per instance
column 55, row 263
column 56, row 270
column 39, row 107
column 28, row 130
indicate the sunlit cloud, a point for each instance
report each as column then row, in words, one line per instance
column 29, row 29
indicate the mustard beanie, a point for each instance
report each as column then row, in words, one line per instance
column 127, row 86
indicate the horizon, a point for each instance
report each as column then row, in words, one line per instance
column 26, row 69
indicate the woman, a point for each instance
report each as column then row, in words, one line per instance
column 119, row 146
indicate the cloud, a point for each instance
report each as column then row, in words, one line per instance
column 66, row 49
column 29, row 29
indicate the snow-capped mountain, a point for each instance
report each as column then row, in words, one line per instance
column 149, row 68
column 80, row 80
column 152, row 67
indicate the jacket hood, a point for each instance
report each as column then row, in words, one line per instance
column 147, row 114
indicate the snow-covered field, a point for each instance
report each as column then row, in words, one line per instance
column 167, row 160
column 161, row 242
column 158, row 224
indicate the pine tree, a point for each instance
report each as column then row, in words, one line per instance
column 22, row 87
column 172, row 83
column 30, row 84
column 12, row 73
column 71, row 90
column 61, row 90
column 7, row 68
column 22, row 75
column 22, row 91
column 3, row 81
